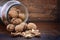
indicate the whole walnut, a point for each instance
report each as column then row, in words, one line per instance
column 31, row 26
column 22, row 16
column 16, row 21
column 10, row 27
column 13, row 14
column 20, row 27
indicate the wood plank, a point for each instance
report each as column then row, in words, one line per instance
column 41, row 17
column 41, row 9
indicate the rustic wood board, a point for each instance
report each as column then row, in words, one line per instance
column 41, row 9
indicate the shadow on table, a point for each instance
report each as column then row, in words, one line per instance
column 42, row 37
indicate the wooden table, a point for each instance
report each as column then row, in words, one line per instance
column 49, row 31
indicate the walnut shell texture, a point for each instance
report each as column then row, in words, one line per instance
column 31, row 26
column 22, row 16
column 20, row 27
column 13, row 14
column 16, row 21
column 10, row 27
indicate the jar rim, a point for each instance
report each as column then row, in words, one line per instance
column 7, row 6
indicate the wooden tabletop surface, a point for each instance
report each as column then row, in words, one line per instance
column 49, row 28
column 44, row 27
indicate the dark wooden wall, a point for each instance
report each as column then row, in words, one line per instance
column 42, row 10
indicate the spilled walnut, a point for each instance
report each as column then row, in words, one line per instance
column 10, row 27
column 27, row 35
column 31, row 26
column 35, row 32
column 20, row 27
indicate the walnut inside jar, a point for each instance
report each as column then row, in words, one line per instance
column 16, row 21
column 13, row 14
column 13, row 8
column 22, row 16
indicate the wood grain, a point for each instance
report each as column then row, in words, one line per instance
column 43, row 9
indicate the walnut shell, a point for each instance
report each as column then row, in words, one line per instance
column 35, row 32
column 27, row 34
column 22, row 16
column 10, row 27
column 25, row 27
column 31, row 26
column 13, row 8
column 20, row 27
column 16, row 21
column 13, row 14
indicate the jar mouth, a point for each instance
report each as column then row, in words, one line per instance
column 26, row 12
column 7, row 6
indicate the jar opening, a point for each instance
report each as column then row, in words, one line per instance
column 19, row 9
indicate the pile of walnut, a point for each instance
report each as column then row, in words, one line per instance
column 18, row 27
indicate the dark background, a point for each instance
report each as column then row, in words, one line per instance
column 58, row 10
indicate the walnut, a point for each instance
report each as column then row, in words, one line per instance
column 13, row 14
column 31, row 33
column 20, row 27
column 23, row 33
column 22, row 16
column 13, row 8
column 27, row 34
column 35, row 32
column 10, row 27
column 31, row 26
column 16, row 21
column 25, row 27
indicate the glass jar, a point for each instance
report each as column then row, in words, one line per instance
column 6, row 5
